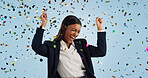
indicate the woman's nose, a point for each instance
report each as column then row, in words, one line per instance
column 76, row 34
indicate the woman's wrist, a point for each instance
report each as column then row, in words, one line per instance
column 43, row 24
column 100, row 29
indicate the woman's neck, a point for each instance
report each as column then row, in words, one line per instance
column 68, row 44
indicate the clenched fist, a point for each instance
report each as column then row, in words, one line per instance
column 44, row 19
column 99, row 23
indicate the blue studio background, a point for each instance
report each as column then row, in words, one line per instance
column 125, row 23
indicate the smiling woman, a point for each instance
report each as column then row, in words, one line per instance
column 70, row 29
column 69, row 57
column 71, row 33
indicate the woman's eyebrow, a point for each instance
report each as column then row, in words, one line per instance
column 73, row 28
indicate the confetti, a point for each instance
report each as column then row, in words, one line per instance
column 127, row 64
column 54, row 37
column 113, row 76
column 107, row 1
column 140, row 64
column 12, row 63
column 146, row 48
column 79, row 42
column 105, row 13
column 146, row 69
column 115, row 23
column 14, row 69
column 54, row 46
column 27, row 46
column 28, row 25
column 87, row 44
column 115, row 70
column 15, row 59
column 71, row 11
column 138, row 57
column 125, row 13
column 128, row 45
column 114, row 31
column 5, row 58
column 138, row 14
column 128, row 4
column 6, row 71
column 41, row 60
column 4, row 22
column 53, row 18
column 98, row 61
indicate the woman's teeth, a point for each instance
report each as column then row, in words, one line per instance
column 72, row 37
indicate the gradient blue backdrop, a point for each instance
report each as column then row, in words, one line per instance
column 125, row 22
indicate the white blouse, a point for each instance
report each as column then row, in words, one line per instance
column 70, row 63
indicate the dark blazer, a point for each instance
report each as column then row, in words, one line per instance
column 51, row 50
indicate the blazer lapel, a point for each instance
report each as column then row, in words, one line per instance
column 57, row 53
column 79, row 48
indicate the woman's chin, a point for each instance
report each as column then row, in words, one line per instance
column 70, row 41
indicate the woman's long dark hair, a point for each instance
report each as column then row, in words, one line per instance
column 68, row 20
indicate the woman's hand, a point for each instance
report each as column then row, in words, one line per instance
column 44, row 19
column 99, row 23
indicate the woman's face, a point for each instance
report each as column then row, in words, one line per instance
column 72, row 32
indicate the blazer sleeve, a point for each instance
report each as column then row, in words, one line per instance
column 100, row 50
column 37, row 46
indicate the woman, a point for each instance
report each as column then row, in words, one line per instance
column 69, row 57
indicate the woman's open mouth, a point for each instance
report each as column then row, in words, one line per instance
column 72, row 37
